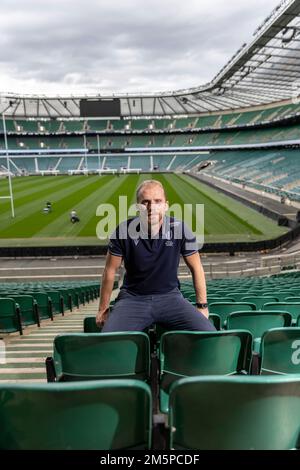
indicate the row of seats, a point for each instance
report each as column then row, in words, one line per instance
column 213, row 120
column 215, row 390
column 252, row 304
column 266, row 170
column 22, row 305
column 209, row 400
column 182, row 138
column 127, row 355
column 205, row 413
column 172, row 162
column 290, row 310
column 273, row 285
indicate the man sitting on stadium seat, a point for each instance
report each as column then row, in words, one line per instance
column 151, row 249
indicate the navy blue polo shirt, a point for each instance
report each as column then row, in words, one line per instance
column 151, row 264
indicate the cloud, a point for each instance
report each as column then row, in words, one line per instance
column 101, row 46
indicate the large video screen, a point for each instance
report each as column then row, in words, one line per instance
column 100, row 107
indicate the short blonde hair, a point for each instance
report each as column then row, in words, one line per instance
column 145, row 183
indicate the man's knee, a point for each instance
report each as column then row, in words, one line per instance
column 188, row 317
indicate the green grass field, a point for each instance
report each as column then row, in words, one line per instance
column 225, row 218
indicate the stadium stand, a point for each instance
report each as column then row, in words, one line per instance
column 86, row 356
column 238, row 119
column 236, row 388
column 234, row 156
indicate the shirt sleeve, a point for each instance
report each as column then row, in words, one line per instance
column 115, row 245
column 189, row 244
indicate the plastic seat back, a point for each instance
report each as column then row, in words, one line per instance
column 44, row 304
column 259, row 301
column 91, row 356
column 223, row 309
column 258, row 322
column 8, row 316
column 27, row 309
column 215, row 320
column 280, row 351
column 292, row 307
column 79, row 416
column 231, row 413
column 186, row 354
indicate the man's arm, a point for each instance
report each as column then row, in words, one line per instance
column 194, row 264
column 112, row 265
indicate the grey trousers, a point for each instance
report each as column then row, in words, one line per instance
column 133, row 312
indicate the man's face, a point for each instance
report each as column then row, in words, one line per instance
column 152, row 204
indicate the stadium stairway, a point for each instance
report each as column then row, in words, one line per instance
column 25, row 355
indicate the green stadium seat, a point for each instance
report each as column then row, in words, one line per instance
column 10, row 317
column 236, row 296
column 294, row 290
column 258, row 322
column 235, row 413
column 280, row 351
column 81, row 296
column 57, row 301
column 67, row 298
column 280, row 294
column 91, row 356
column 292, row 299
column 107, row 415
column 74, row 297
column 214, row 298
column 226, row 308
column 259, row 301
column 185, row 354
column 210, row 298
column 28, row 309
column 44, row 304
column 292, row 307
column 215, row 320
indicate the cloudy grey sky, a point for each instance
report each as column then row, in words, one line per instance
column 102, row 46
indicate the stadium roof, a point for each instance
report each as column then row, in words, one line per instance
column 264, row 71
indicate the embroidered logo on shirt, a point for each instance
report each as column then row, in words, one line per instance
column 168, row 235
column 169, row 243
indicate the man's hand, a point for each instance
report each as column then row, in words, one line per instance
column 204, row 311
column 101, row 316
